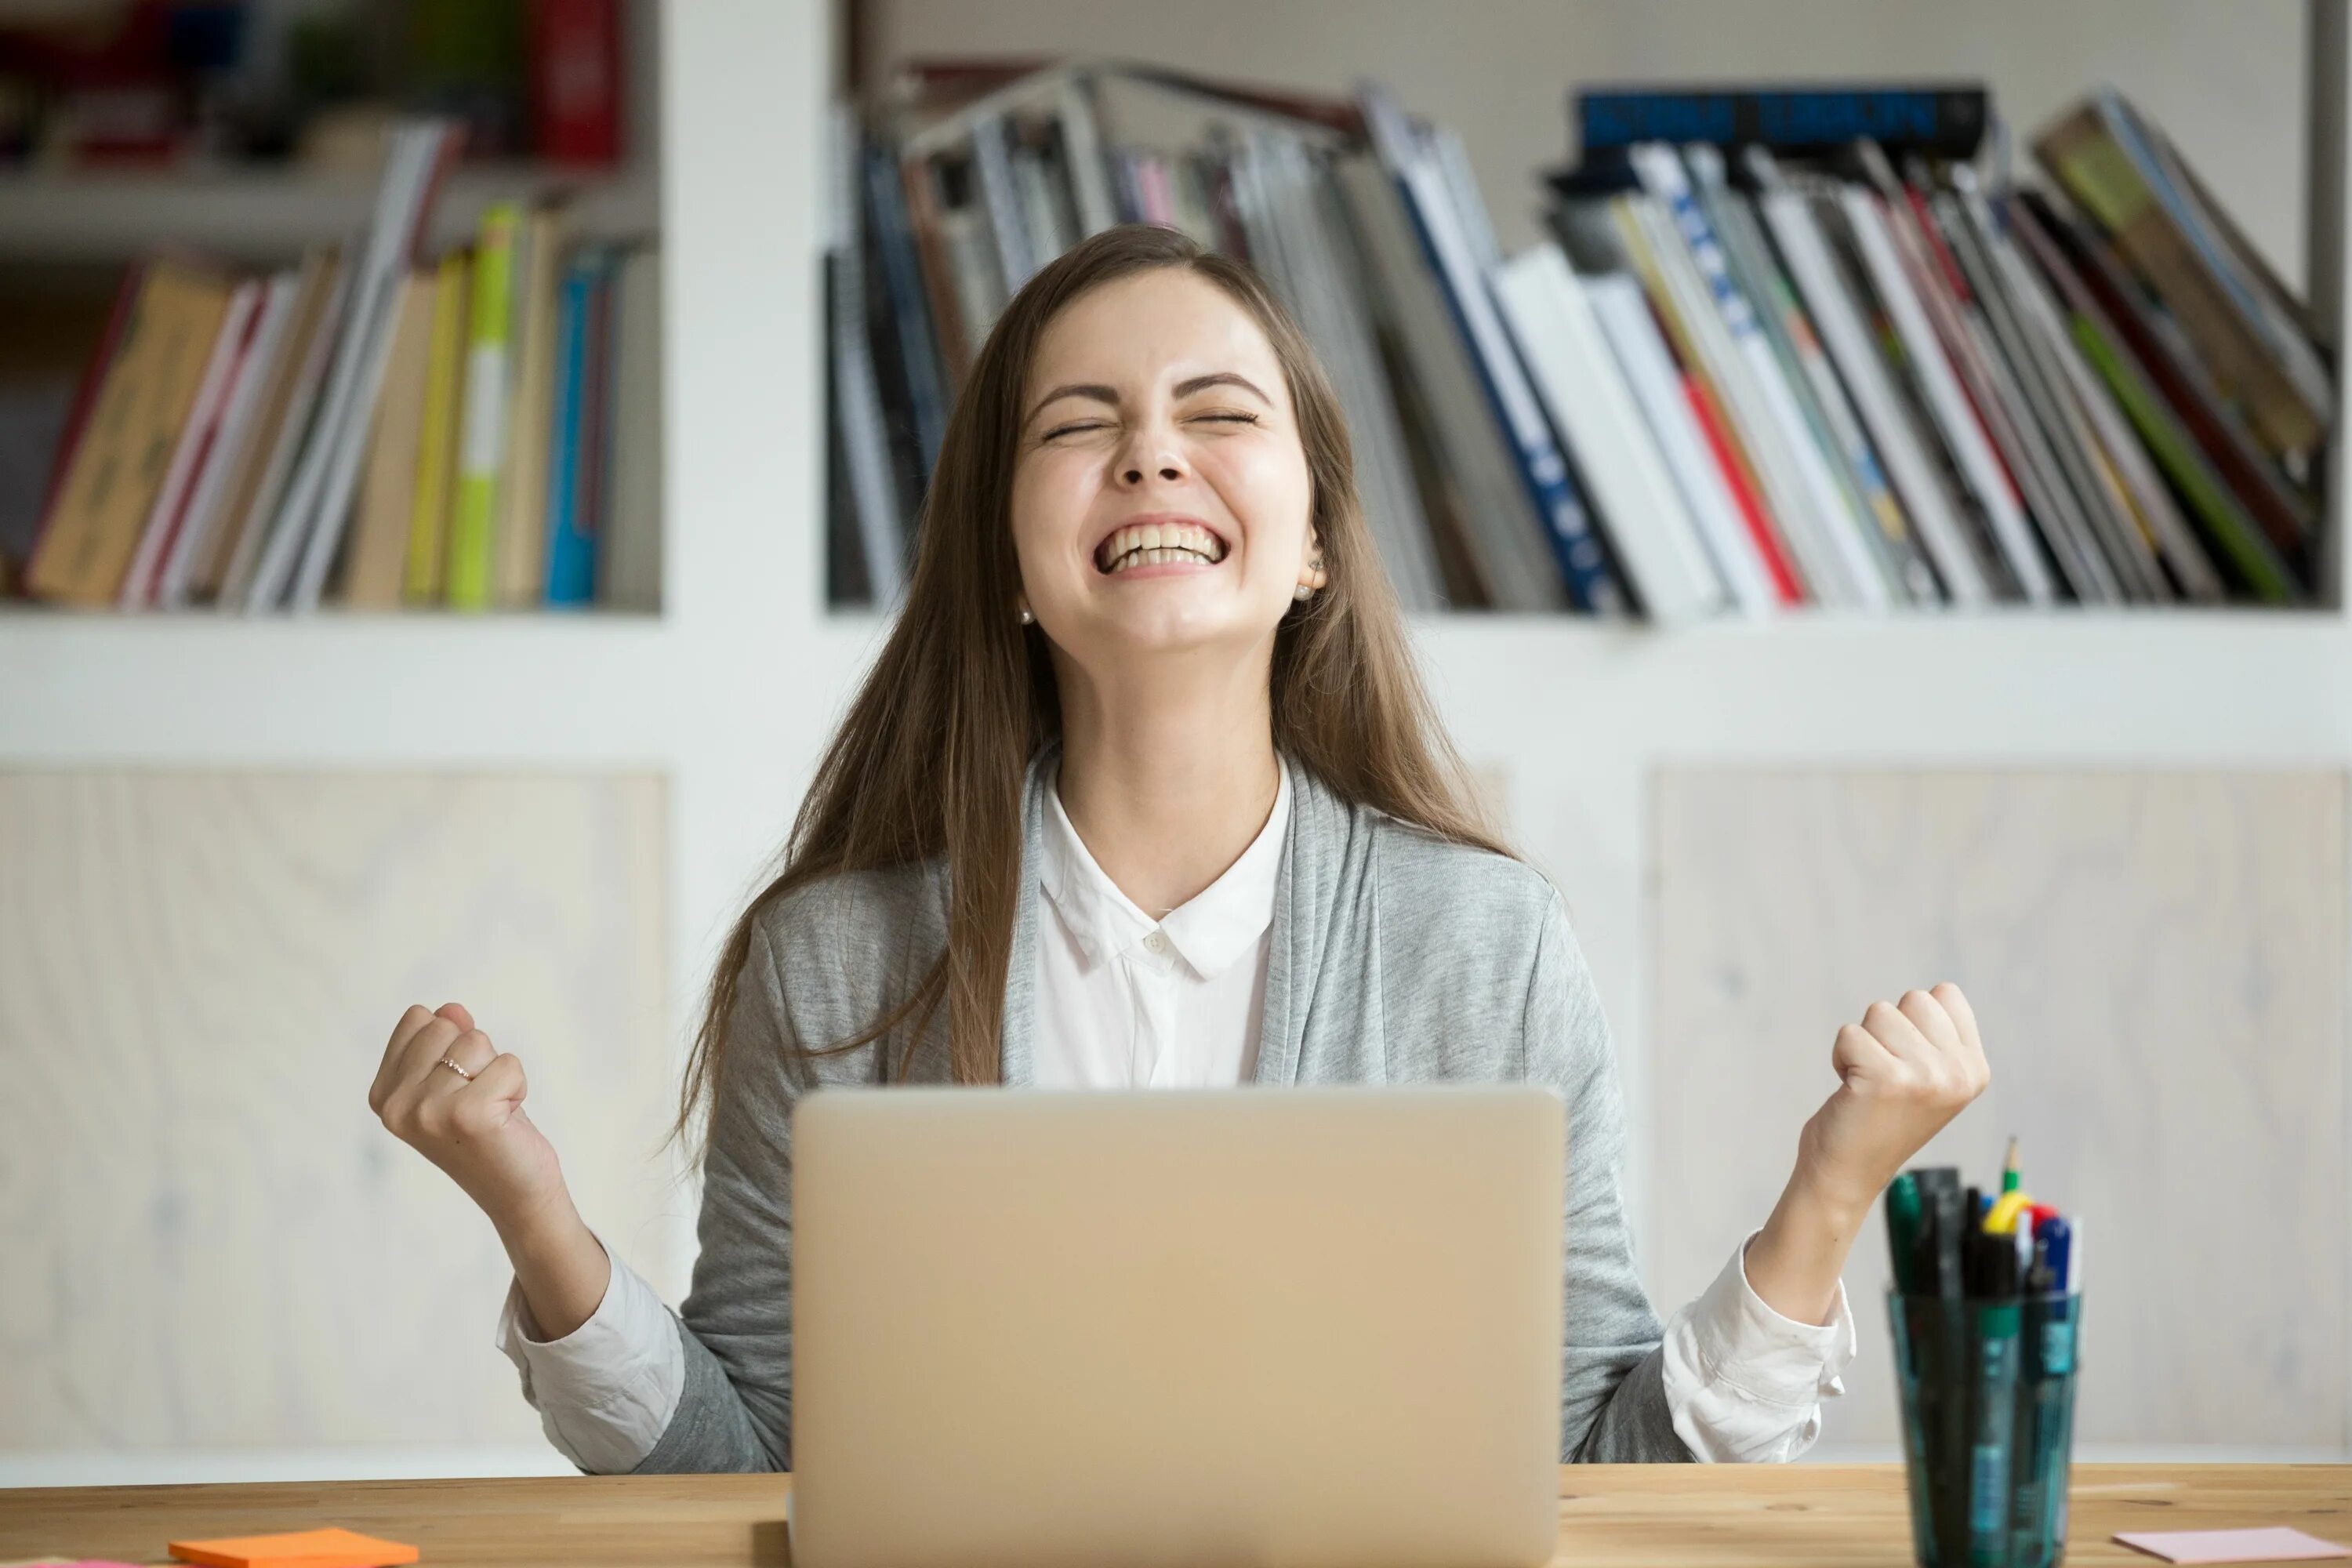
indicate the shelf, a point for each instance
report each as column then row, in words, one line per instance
column 270, row 214
column 399, row 690
column 2094, row 688
column 1548, row 695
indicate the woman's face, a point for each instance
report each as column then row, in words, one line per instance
column 1160, row 495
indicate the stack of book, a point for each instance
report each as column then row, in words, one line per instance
column 1781, row 347
column 477, row 430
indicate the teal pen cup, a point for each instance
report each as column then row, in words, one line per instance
column 1987, row 1403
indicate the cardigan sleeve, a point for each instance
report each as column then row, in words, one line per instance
column 1612, row 1395
column 735, row 1328
column 1729, row 1378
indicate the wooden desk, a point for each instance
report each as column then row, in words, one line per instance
column 1639, row 1516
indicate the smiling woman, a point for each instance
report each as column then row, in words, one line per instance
column 1143, row 790
column 1094, row 454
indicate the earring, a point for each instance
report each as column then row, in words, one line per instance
column 1316, row 578
column 1027, row 618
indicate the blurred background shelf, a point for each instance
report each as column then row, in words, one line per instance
column 259, row 215
column 409, row 691
column 1539, row 694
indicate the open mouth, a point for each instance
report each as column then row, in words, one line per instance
column 1158, row 545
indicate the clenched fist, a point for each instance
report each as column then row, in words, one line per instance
column 1904, row 1071
column 470, row 1123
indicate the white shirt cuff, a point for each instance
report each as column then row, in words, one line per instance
column 605, row 1392
column 1744, row 1382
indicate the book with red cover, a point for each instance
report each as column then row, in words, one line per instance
column 575, row 80
column 1785, row 586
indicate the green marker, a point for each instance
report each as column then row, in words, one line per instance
column 1903, row 1208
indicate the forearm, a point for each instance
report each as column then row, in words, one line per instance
column 1794, row 1263
column 562, row 1269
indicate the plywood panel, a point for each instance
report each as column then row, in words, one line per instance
column 2157, row 960
column 209, row 1239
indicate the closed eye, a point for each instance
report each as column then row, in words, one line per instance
column 1232, row 417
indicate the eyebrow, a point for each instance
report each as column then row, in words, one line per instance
column 1102, row 393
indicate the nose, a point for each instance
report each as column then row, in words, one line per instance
column 1149, row 452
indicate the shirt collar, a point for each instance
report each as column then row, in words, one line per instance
column 1210, row 932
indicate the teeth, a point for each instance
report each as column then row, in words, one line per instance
column 1153, row 544
column 1160, row 557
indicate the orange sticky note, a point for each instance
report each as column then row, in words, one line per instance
column 303, row 1549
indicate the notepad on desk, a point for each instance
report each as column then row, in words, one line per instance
column 2275, row 1544
column 302, row 1548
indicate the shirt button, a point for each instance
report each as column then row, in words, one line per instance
column 1155, row 944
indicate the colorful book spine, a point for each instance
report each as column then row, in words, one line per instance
column 1743, row 492
column 2289, row 411
column 2241, row 542
column 1583, row 564
column 193, row 451
column 571, row 542
column 473, row 542
column 1640, row 348
column 1939, row 120
column 1653, row 538
column 93, row 378
column 1815, row 518
column 436, row 451
column 118, row 467
column 576, row 81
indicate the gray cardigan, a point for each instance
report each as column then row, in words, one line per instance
column 1395, row 958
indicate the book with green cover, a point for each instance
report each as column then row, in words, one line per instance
column 436, row 454
column 482, row 443
column 2240, row 544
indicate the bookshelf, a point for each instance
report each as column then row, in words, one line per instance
column 733, row 689
column 70, row 231
column 989, row 188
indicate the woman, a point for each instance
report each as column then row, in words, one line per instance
column 1143, row 790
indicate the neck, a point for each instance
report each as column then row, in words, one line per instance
column 1167, row 779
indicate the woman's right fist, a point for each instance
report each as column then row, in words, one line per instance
column 471, row 1124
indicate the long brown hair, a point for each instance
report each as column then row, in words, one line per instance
column 932, row 760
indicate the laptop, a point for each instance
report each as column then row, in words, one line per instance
column 1279, row 1326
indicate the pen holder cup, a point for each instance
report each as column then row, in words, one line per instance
column 1987, row 1390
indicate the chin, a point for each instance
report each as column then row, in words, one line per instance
column 1170, row 626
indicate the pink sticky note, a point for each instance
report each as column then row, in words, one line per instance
column 2276, row 1544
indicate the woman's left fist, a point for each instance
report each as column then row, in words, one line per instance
column 1904, row 1073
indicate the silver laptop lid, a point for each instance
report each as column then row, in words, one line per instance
column 1264, row 1326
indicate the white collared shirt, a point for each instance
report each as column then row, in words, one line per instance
column 1125, row 1001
